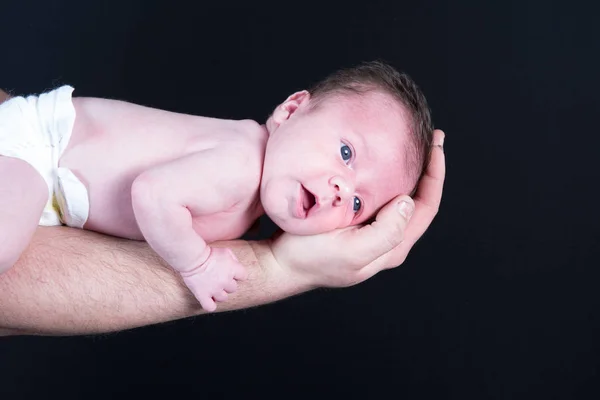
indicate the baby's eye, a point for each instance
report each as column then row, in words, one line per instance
column 357, row 204
column 346, row 152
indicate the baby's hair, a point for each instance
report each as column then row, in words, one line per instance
column 379, row 76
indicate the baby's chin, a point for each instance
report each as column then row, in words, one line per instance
column 301, row 227
column 291, row 225
column 296, row 228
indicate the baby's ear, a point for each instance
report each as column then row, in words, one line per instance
column 285, row 110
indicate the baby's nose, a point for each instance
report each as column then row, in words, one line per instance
column 343, row 190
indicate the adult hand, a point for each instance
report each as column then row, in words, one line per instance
column 351, row 255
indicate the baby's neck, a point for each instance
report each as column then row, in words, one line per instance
column 259, row 135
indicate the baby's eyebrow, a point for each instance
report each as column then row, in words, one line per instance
column 363, row 147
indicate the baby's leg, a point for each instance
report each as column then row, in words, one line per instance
column 23, row 195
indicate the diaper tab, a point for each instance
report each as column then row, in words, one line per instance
column 72, row 198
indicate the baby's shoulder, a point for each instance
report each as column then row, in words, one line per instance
column 250, row 142
column 254, row 133
column 242, row 154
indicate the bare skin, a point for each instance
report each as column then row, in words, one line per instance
column 180, row 182
column 70, row 281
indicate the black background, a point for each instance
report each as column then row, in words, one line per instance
column 498, row 300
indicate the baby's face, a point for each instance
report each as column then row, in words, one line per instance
column 335, row 166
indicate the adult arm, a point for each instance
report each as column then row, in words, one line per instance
column 71, row 281
column 3, row 96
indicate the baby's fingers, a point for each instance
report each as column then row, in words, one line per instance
column 239, row 271
column 208, row 304
column 230, row 286
column 221, row 296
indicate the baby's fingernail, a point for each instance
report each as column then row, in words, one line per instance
column 405, row 209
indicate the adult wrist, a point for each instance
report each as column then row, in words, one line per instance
column 287, row 278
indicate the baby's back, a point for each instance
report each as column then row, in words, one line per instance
column 114, row 141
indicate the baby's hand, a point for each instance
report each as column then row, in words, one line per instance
column 216, row 278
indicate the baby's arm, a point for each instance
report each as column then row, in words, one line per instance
column 165, row 198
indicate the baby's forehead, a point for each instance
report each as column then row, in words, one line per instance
column 373, row 114
column 381, row 125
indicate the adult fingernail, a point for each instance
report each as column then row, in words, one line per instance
column 405, row 209
column 440, row 143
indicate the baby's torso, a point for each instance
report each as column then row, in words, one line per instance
column 113, row 142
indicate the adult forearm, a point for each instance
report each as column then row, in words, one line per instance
column 71, row 281
column 3, row 95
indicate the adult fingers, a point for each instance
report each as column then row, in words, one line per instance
column 429, row 192
column 427, row 202
column 384, row 234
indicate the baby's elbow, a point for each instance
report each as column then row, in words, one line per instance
column 144, row 192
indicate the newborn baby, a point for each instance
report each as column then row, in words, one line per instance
column 326, row 158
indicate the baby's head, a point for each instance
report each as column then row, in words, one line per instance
column 339, row 152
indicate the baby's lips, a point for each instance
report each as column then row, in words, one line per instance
column 309, row 200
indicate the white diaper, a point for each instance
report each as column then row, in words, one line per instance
column 37, row 130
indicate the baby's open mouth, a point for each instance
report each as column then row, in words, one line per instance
column 308, row 199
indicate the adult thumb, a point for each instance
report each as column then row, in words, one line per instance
column 386, row 232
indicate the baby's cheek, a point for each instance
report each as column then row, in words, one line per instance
column 349, row 217
column 334, row 220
